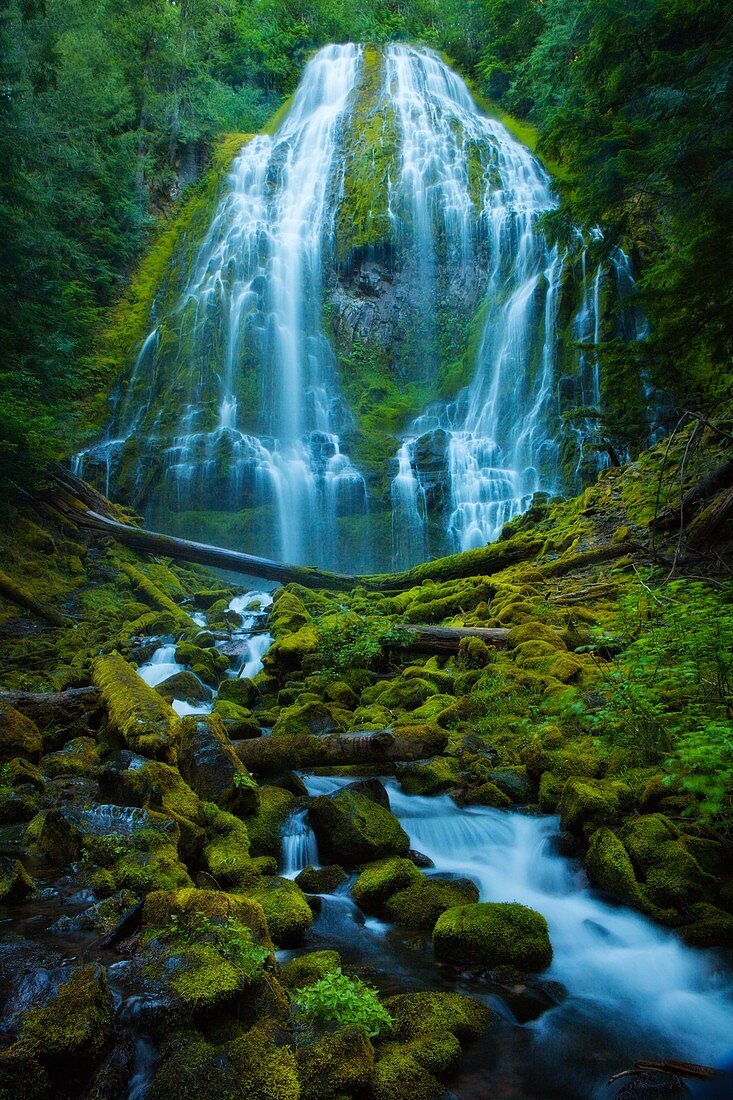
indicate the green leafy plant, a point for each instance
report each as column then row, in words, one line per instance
column 357, row 644
column 337, row 999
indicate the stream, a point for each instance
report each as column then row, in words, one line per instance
column 620, row 988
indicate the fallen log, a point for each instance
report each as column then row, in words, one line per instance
column 273, row 755
column 17, row 594
column 720, row 478
column 52, row 707
column 70, row 499
column 447, row 639
column 669, row 1066
column 706, row 523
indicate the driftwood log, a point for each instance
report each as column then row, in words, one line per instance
column 273, row 755
column 51, row 707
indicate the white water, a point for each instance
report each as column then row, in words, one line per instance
column 299, row 848
column 618, row 966
column 161, row 665
column 253, row 607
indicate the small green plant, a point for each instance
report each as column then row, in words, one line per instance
column 232, row 940
column 338, row 999
column 243, row 781
column 357, row 644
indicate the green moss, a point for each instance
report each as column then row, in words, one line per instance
column 19, row 736
column 308, row 718
column 208, row 663
column 587, row 804
column 379, row 881
column 709, row 927
column 352, row 829
column 609, row 866
column 284, row 904
column 337, row 1065
column 310, row 968
column 266, row 825
column 427, row 777
column 155, row 596
column 15, row 882
column 240, row 691
column 399, row 1074
column 491, row 934
column 209, row 763
column 515, row 782
column 418, row 1014
column 78, row 757
column 423, row 901
column 52, row 835
column 136, row 711
column 184, row 908
column 73, row 1029
column 321, row 880
column 227, row 849
column 203, row 979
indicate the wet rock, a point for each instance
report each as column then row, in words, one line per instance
column 310, row 968
column 421, row 903
column 426, row 777
column 340, row 1064
column 288, row 914
column 54, row 836
column 186, row 687
column 78, row 757
column 419, row 859
column 241, row 691
column 373, row 789
column 211, row 767
column 321, row 880
column 239, row 723
column 379, row 881
column 70, row 1033
column 516, row 783
column 353, row 829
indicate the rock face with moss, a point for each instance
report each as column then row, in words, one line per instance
column 351, row 828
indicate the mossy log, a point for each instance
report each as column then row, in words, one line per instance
column 48, row 707
column 17, row 594
column 273, row 755
column 447, row 639
column 720, row 478
column 137, row 712
column 706, row 523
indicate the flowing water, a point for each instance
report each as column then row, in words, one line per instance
column 633, row 989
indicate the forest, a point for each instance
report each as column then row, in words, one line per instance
column 366, row 525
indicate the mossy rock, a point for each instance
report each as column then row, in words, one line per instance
column 287, row 911
column 609, row 866
column 486, row 935
column 486, row 794
column 79, row 757
column 52, row 834
column 132, row 779
column 438, row 1053
column 644, row 835
column 145, row 721
column 398, row 1074
column 21, row 1075
column 401, row 695
column 515, row 782
column 321, row 880
column 184, row 686
column 336, row 691
column 19, row 736
column 205, row 597
column 240, row 691
column 208, row 664
column 337, row 1065
column 379, row 881
column 675, row 878
column 15, row 882
column 265, row 826
column 428, row 777
column 239, row 723
column 311, row 718
column 550, row 793
column 185, row 905
column 226, row 852
column 417, row 740
column 71, row 1032
column 291, row 650
column 287, row 614
column 203, row 979
column 251, row 1066
column 352, row 829
column 417, row 1014
column 421, row 903
column 709, row 927
column 587, row 804
column 209, row 764
column 307, row 969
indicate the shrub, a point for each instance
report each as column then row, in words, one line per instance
column 336, row 999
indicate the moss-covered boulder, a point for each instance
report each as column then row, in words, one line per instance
column 311, row 717
column 15, row 882
column 337, row 1065
column 285, row 906
column 379, row 881
column 211, row 767
column 535, row 632
column 420, row 904
column 416, row 1014
column 21, row 1075
column 52, row 834
column 307, row 969
column 238, row 690
column 185, row 908
column 239, row 722
column 491, row 934
column 417, row 740
column 146, row 723
column 428, row 776
column 131, row 779
column 321, row 880
column 250, row 1066
column 609, row 866
column 184, row 686
column 515, row 782
column 79, row 757
column 351, row 828
column 226, row 849
column 70, row 1033
column 588, row 804
column 19, row 736
column 708, row 926
column 265, row 826
column 208, row 664
column 398, row 1074
column 485, row 794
